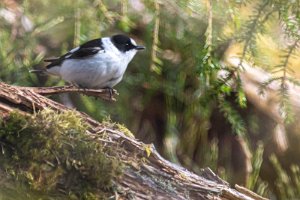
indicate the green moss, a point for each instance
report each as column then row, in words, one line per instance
column 124, row 130
column 50, row 152
column 109, row 123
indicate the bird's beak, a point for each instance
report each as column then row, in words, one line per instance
column 140, row 47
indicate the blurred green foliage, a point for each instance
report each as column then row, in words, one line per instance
column 186, row 41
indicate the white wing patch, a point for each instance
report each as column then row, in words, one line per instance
column 73, row 50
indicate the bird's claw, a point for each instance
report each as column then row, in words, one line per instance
column 111, row 92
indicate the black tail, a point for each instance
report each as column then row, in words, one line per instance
column 51, row 59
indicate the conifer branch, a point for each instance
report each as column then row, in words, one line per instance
column 253, row 26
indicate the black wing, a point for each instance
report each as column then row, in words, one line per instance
column 87, row 49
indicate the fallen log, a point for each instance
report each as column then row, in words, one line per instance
column 147, row 175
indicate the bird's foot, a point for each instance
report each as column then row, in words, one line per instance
column 72, row 85
column 111, row 92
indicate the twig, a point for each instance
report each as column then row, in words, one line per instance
column 98, row 93
column 249, row 193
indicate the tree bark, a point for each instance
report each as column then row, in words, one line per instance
column 148, row 175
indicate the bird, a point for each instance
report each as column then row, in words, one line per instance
column 97, row 64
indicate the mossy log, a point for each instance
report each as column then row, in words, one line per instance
column 146, row 174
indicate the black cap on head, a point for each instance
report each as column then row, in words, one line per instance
column 124, row 43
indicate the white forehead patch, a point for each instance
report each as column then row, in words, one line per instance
column 133, row 42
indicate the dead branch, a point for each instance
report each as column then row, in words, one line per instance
column 141, row 180
column 98, row 93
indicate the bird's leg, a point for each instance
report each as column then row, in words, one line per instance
column 111, row 91
column 70, row 85
column 83, row 88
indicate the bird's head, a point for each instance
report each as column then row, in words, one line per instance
column 126, row 44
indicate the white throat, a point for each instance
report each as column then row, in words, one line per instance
column 125, row 57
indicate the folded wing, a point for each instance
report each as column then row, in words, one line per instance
column 85, row 50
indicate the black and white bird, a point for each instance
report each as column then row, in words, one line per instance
column 97, row 64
